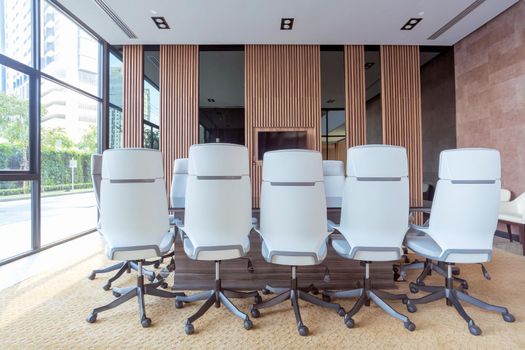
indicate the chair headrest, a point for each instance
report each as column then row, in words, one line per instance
column 132, row 164
column 96, row 164
column 470, row 164
column 180, row 166
column 377, row 161
column 296, row 165
column 218, row 159
column 333, row 168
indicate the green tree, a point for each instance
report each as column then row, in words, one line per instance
column 88, row 143
column 14, row 124
column 56, row 139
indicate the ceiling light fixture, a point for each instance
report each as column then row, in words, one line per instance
column 287, row 23
column 211, row 100
column 411, row 23
column 160, row 22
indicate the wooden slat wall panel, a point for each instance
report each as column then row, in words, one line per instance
column 282, row 91
column 355, row 92
column 133, row 96
column 179, row 103
column 401, row 104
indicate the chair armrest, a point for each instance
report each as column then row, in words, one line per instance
column 509, row 208
column 332, row 226
column 420, row 228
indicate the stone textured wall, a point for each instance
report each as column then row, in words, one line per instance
column 490, row 92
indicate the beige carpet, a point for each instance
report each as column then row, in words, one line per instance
column 48, row 311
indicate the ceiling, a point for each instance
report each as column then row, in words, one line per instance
column 258, row 21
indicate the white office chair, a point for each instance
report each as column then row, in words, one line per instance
column 334, row 182
column 373, row 219
column 293, row 221
column 513, row 212
column 134, row 218
column 462, row 223
column 178, row 183
column 217, row 219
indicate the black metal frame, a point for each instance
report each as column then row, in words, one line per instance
column 326, row 137
column 35, row 77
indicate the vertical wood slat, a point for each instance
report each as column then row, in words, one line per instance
column 355, row 99
column 133, row 96
column 282, row 91
column 179, row 103
column 401, row 104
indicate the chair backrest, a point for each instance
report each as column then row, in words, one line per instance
column 133, row 200
column 218, row 197
column 464, row 212
column 178, row 182
column 96, row 176
column 293, row 206
column 334, row 182
column 374, row 216
column 504, row 195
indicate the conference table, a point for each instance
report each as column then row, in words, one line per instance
column 342, row 273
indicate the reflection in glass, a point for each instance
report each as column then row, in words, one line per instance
column 221, row 96
column 115, row 80
column 14, row 120
column 68, row 139
column 115, row 128
column 374, row 122
column 16, row 38
column 151, row 98
column 68, row 52
column 15, row 218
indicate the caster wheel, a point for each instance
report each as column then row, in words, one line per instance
column 92, row 276
column 410, row 326
column 258, row 299
column 248, row 324
column 303, row 331
column 464, row 285
column 255, row 313
column 265, row 291
column 397, row 276
column 179, row 304
column 315, row 291
column 164, row 285
column 411, row 307
column 474, row 330
column 188, row 329
column 407, row 260
column 455, row 272
column 327, row 298
column 413, row 288
column 341, row 312
column 107, row 286
column 91, row 318
column 156, row 265
column 116, row 294
column 349, row 322
column 151, row 278
column 508, row 317
column 145, row 322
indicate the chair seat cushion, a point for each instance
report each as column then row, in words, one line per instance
column 291, row 259
column 344, row 249
column 512, row 218
column 215, row 252
column 424, row 245
column 143, row 251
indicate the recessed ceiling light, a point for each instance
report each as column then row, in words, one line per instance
column 212, row 100
column 160, row 22
column 287, row 23
column 411, row 23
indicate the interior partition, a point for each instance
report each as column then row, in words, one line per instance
column 133, row 96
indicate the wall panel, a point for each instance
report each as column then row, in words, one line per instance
column 133, row 96
column 282, row 92
column 355, row 91
column 401, row 104
column 179, row 103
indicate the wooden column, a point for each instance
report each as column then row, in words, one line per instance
column 401, row 104
column 179, row 103
column 133, row 96
column 355, row 91
column 282, row 92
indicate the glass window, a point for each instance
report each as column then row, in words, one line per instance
column 115, row 80
column 68, row 52
column 151, row 103
column 374, row 120
column 151, row 98
column 68, row 139
column 333, row 131
column 16, row 38
column 15, row 218
column 14, row 120
column 115, row 128
column 221, row 96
